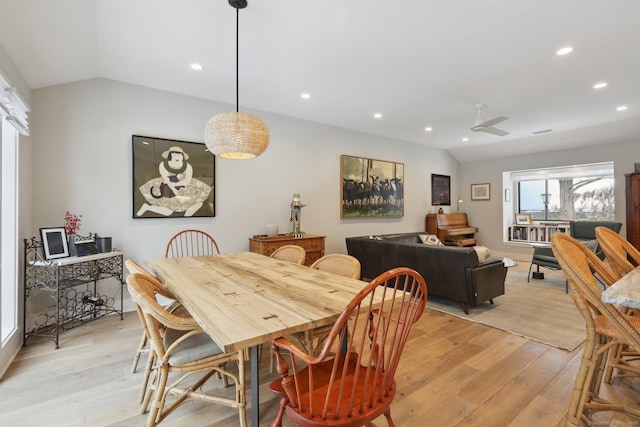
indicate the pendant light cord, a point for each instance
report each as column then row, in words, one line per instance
column 237, row 61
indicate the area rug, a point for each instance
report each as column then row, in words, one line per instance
column 539, row 310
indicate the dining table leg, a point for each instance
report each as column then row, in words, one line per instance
column 255, row 385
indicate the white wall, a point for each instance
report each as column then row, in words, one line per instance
column 81, row 143
column 81, row 136
column 487, row 215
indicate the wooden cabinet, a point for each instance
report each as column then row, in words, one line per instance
column 312, row 244
column 632, row 183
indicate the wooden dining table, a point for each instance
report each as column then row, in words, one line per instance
column 626, row 291
column 242, row 300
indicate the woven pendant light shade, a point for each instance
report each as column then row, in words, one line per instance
column 236, row 135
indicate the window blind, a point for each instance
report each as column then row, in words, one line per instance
column 13, row 106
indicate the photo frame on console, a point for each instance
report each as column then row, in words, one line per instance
column 54, row 242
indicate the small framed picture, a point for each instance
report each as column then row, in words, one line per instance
column 440, row 190
column 522, row 218
column 480, row 191
column 54, row 242
column 86, row 247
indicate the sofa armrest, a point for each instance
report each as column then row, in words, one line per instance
column 485, row 281
column 491, row 261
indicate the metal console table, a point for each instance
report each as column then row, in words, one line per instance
column 72, row 284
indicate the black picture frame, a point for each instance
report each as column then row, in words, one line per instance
column 172, row 178
column 54, row 242
column 440, row 190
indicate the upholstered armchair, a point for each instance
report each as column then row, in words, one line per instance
column 583, row 231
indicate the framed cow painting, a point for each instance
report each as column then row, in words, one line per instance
column 371, row 188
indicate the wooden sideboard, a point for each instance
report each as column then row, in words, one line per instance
column 312, row 244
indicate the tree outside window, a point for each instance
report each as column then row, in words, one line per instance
column 582, row 198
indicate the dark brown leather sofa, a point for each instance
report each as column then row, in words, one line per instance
column 451, row 272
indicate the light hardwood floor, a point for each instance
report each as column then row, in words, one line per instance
column 453, row 373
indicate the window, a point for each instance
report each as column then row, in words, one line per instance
column 566, row 193
column 13, row 122
column 8, row 236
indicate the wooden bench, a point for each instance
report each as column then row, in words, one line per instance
column 452, row 228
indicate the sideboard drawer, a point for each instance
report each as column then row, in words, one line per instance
column 312, row 244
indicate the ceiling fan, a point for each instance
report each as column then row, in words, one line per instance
column 482, row 125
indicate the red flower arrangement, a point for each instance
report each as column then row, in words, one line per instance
column 72, row 222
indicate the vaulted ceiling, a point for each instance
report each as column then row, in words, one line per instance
column 420, row 63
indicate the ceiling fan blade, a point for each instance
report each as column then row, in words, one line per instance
column 493, row 121
column 494, row 131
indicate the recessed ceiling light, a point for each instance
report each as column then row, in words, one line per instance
column 306, row 95
column 600, row 85
column 622, row 108
column 465, row 139
column 377, row 115
column 197, row 67
column 428, row 129
column 564, row 50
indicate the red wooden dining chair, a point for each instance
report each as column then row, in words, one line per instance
column 354, row 386
column 191, row 243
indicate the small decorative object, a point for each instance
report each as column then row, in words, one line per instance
column 72, row 245
column 103, row 244
column 296, row 213
column 272, row 229
column 72, row 225
column 440, row 190
column 637, row 167
column 85, row 247
column 523, row 219
column 54, row 242
column 480, row 191
column 440, row 211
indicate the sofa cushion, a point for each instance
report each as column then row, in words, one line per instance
column 430, row 239
column 483, row 252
